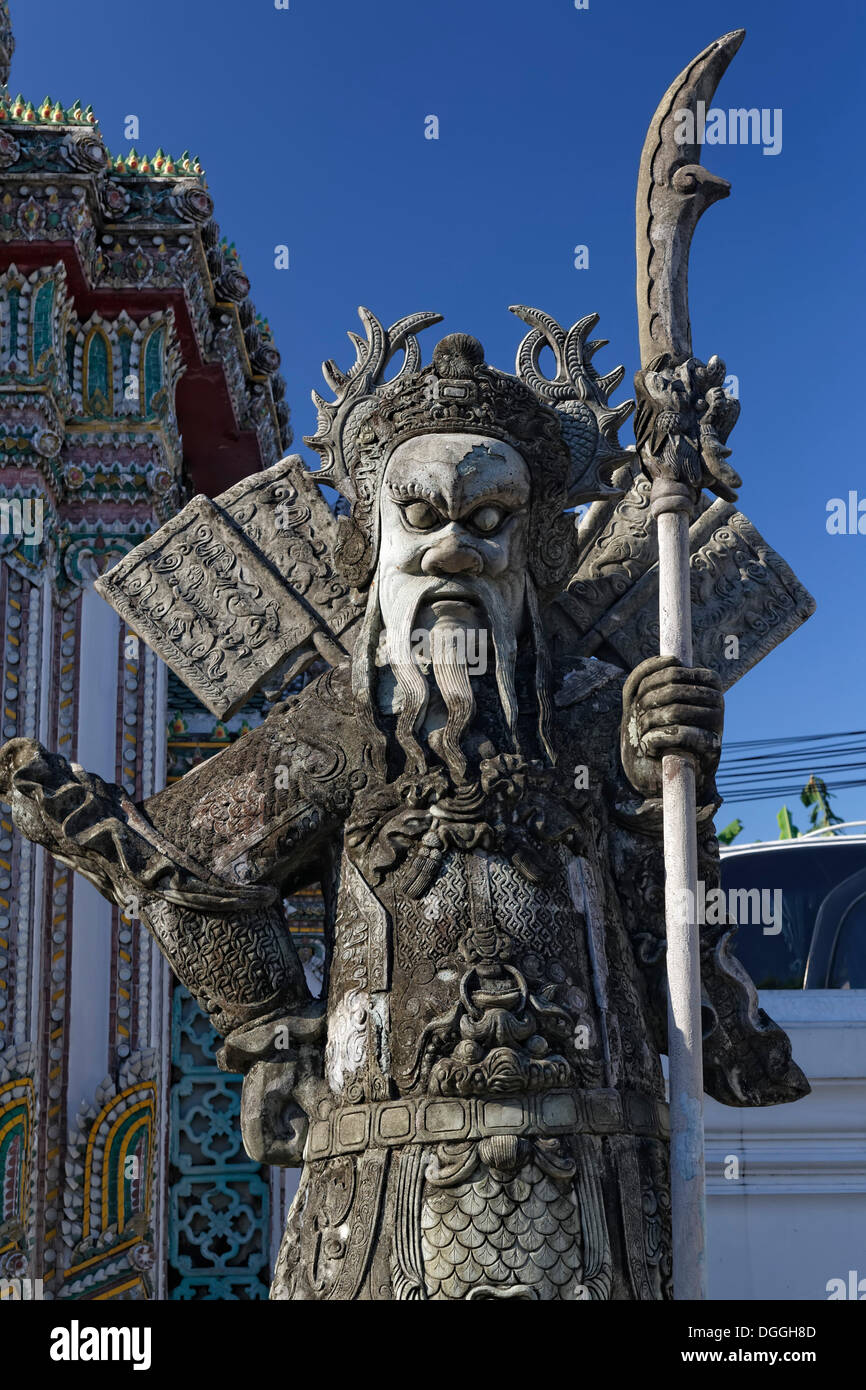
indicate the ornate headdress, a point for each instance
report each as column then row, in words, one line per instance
column 562, row 427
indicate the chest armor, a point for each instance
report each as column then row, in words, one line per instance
column 488, row 985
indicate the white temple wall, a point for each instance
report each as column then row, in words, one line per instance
column 90, row 982
column 794, row 1219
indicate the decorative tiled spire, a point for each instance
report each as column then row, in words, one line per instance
column 7, row 43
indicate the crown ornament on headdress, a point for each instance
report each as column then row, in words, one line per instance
column 562, row 426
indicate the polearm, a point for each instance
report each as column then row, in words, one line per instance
column 680, row 427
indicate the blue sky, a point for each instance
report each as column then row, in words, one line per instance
column 310, row 125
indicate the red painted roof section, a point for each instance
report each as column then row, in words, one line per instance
column 216, row 452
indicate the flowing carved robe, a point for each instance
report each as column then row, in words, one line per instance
column 487, row 1110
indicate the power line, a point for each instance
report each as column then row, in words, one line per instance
column 748, row 774
column 835, row 750
column 737, row 794
column 822, row 770
column 794, row 738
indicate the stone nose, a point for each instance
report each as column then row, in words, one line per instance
column 449, row 556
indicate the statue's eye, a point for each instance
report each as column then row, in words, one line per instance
column 421, row 516
column 487, row 519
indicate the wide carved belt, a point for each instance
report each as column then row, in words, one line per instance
column 438, row 1119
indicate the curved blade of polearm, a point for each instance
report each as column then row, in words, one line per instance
column 673, row 190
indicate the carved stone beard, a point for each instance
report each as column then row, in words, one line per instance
column 450, row 659
column 404, row 823
column 449, row 650
column 449, row 673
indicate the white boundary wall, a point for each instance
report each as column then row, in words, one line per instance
column 795, row 1218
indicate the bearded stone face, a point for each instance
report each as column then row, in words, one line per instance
column 451, row 580
column 454, row 510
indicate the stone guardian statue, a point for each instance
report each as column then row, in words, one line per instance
column 477, row 1098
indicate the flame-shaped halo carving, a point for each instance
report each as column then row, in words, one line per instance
column 580, row 397
column 356, row 392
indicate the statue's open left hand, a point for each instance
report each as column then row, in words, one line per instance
column 670, row 708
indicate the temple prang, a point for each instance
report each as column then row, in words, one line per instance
column 135, row 371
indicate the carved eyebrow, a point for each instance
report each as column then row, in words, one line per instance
column 509, row 495
column 413, row 492
column 512, row 494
